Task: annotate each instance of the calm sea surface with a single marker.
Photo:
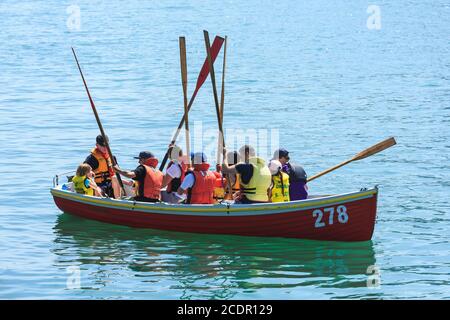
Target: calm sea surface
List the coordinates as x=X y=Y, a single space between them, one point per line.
x=312 y=70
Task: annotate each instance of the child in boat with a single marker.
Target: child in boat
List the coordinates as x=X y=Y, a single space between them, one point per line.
x=279 y=189
x=298 y=189
x=83 y=181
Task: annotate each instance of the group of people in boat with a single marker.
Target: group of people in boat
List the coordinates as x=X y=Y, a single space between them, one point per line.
x=192 y=182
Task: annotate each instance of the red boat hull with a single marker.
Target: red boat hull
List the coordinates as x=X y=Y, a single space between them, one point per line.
x=348 y=217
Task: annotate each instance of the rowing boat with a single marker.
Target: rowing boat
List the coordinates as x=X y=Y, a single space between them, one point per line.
x=342 y=217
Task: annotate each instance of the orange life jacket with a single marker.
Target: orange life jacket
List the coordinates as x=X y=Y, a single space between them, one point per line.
x=104 y=171
x=202 y=192
x=175 y=183
x=219 y=190
x=236 y=187
x=152 y=183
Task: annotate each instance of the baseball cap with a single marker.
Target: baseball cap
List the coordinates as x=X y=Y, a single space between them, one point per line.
x=100 y=141
x=280 y=153
x=145 y=155
x=274 y=166
x=198 y=157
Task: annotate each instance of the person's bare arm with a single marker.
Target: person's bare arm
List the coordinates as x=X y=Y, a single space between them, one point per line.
x=166 y=180
x=128 y=174
x=227 y=169
x=180 y=191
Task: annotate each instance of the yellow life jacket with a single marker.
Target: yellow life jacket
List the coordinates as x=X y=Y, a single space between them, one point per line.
x=280 y=190
x=256 y=188
x=80 y=187
x=102 y=173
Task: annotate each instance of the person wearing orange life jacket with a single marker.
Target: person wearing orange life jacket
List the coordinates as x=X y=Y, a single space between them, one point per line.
x=101 y=164
x=175 y=173
x=199 y=184
x=220 y=182
x=149 y=179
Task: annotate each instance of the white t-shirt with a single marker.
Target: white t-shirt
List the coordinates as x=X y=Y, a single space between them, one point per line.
x=174 y=171
x=189 y=180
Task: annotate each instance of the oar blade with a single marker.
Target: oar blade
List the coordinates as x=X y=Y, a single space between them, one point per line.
x=383 y=145
x=204 y=72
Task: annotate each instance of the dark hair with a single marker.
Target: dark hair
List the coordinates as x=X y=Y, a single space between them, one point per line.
x=233 y=157
x=101 y=141
x=247 y=149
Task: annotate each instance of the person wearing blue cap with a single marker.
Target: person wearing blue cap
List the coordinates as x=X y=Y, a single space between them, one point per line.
x=148 y=178
x=199 y=183
x=298 y=190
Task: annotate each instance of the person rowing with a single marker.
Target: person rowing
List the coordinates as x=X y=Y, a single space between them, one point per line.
x=199 y=183
x=101 y=164
x=254 y=176
x=298 y=190
x=149 y=179
x=175 y=173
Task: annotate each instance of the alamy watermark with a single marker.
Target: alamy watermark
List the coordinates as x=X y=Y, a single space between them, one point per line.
x=73 y=22
x=74 y=277
x=374 y=277
x=374 y=19
x=264 y=141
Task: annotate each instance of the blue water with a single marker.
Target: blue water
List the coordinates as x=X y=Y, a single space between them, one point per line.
x=312 y=70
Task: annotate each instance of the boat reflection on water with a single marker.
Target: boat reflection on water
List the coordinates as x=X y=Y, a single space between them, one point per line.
x=171 y=265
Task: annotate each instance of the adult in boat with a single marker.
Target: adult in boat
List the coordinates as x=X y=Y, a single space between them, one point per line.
x=254 y=176
x=175 y=173
x=83 y=181
x=233 y=158
x=279 y=189
x=101 y=164
x=149 y=179
x=298 y=190
x=199 y=183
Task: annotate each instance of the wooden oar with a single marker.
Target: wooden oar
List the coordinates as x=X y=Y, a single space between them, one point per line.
x=213 y=82
x=363 y=154
x=184 y=83
x=222 y=99
x=222 y=106
x=102 y=132
x=215 y=49
x=219 y=110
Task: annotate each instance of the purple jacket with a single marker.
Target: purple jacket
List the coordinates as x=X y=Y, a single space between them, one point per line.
x=298 y=190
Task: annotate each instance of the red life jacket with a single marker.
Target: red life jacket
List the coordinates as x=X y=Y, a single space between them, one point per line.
x=152 y=183
x=202 y=192
x=175 y=183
